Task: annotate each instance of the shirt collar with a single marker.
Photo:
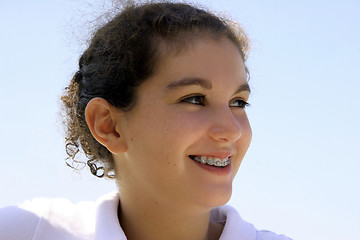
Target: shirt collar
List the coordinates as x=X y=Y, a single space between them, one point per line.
x=108 y=226
x=107 y=222
x=234 y=226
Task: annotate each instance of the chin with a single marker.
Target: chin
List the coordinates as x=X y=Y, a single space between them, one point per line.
x=216 y=198
x=220 y=201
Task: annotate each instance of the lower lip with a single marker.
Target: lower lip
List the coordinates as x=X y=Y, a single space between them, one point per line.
x=215 y=170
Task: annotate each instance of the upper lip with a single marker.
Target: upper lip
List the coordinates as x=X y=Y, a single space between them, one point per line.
x=220 y=155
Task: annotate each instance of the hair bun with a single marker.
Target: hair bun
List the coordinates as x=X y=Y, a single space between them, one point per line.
x=78 y=76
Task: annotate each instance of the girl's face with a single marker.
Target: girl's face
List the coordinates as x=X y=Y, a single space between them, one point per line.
x=192 y=109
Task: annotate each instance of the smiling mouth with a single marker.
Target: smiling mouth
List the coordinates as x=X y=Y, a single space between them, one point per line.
x=212 y=161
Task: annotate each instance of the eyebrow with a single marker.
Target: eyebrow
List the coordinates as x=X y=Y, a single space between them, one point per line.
x=190 y=81
x=244 y=87
x=203 y=83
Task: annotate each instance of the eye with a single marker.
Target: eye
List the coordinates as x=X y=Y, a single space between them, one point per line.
x=195 y=99
x=240 y=103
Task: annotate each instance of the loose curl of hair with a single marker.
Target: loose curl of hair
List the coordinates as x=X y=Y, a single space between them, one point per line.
x=121 y=56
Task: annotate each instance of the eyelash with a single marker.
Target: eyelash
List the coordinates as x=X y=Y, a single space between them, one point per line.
x=200 y=100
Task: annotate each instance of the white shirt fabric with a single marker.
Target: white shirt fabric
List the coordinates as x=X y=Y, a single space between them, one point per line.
x=59 y=219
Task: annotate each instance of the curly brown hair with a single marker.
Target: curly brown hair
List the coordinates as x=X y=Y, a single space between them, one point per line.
x=122 y=55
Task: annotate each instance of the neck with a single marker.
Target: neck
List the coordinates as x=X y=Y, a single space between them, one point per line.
x=142 y=219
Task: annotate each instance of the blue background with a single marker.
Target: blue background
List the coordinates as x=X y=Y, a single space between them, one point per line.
x=301 y=174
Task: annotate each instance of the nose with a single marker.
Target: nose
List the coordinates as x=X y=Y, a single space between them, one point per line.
x=225 y=126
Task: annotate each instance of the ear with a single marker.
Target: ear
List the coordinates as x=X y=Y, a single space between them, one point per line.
x=102 y=120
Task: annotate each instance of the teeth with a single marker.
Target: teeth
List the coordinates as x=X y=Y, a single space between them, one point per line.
x=218 y=162
x=212 y=161
x=203 y=160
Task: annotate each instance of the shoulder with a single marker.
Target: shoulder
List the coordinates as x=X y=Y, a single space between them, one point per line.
x=236 y=228
x=41 y=218
x=17 y=223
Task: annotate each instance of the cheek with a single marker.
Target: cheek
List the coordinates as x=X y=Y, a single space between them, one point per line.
x=179 y=130
x=162 y=132
x=244 y=141
x=246 y=134
x=247 y=131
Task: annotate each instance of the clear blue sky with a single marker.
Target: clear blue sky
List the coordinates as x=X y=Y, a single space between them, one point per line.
x=301 y=174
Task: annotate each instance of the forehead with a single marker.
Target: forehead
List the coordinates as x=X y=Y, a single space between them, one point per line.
x=209 y=58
